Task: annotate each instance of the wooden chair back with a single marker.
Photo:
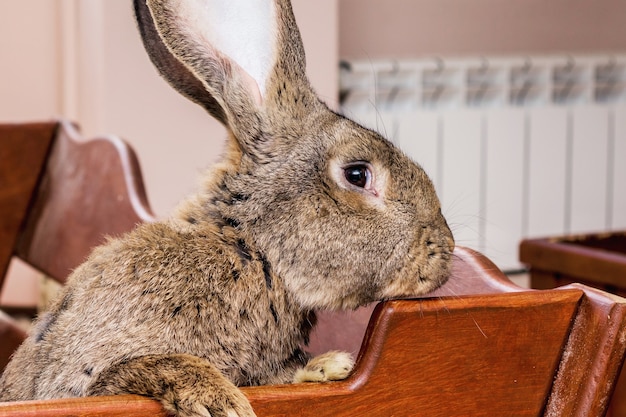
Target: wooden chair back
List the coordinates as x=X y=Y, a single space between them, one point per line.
x=479 y=346
x=60 y=196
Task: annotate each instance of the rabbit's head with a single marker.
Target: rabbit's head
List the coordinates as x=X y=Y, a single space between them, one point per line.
x=340 y=214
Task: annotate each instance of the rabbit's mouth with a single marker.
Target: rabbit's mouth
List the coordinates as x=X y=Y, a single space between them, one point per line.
x=426 y=267
x=411 y=285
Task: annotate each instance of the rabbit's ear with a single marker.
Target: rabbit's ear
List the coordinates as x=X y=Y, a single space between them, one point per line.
x=177 y=74
x=224 y=54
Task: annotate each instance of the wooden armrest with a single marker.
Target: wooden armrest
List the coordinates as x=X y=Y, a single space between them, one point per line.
x=112 y=406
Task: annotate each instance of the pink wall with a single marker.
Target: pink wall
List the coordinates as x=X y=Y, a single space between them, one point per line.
x=414 y=28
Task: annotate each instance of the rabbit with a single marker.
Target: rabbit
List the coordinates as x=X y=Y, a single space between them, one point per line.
x=306 y=211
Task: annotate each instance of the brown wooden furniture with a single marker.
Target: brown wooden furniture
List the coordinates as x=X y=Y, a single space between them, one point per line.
x=597 y=260
x=479 y=346
x=60 y=196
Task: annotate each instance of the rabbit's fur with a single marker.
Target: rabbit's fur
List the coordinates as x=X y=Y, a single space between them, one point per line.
x=307 y=211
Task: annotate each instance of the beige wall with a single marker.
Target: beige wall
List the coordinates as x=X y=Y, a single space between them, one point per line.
x=416 y=28
x=29 y=59
x=83 y=59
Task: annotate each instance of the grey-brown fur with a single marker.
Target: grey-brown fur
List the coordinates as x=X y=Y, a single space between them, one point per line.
x=221 y=294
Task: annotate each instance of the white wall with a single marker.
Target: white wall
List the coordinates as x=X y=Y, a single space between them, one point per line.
x=83 y=59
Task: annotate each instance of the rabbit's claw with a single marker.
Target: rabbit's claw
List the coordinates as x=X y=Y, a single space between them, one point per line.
x=330 y=366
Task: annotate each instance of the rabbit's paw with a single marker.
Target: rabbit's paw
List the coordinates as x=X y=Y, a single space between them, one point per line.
x=330 y=366
x=199 y=407
x=187 y=386
x=212 y=405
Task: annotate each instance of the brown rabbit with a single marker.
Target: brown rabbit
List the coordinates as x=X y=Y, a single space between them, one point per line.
x=307 y=211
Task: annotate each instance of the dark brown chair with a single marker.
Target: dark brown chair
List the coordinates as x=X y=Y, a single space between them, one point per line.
x=479 y=346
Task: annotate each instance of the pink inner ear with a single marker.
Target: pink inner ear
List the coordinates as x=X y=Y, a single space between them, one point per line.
x=252 y=87
x=248 y=83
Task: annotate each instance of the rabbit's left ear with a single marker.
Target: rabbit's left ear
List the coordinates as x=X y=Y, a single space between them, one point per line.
x=223 y=54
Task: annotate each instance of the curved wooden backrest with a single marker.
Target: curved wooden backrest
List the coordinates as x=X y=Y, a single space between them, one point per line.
x=60 y=196
x=88 y=190
x=478 y=346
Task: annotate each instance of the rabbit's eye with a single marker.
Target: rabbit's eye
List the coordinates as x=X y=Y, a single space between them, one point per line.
x=358 y=175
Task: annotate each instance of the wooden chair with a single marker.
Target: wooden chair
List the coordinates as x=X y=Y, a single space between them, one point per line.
x=59 y=197
x=595 y=259
x=479 y=346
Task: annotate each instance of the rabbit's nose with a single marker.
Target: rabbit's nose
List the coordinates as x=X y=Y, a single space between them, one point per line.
x=448 y=237
x=449 y=241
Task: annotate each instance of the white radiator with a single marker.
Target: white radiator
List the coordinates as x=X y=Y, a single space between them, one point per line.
x=517 y=147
